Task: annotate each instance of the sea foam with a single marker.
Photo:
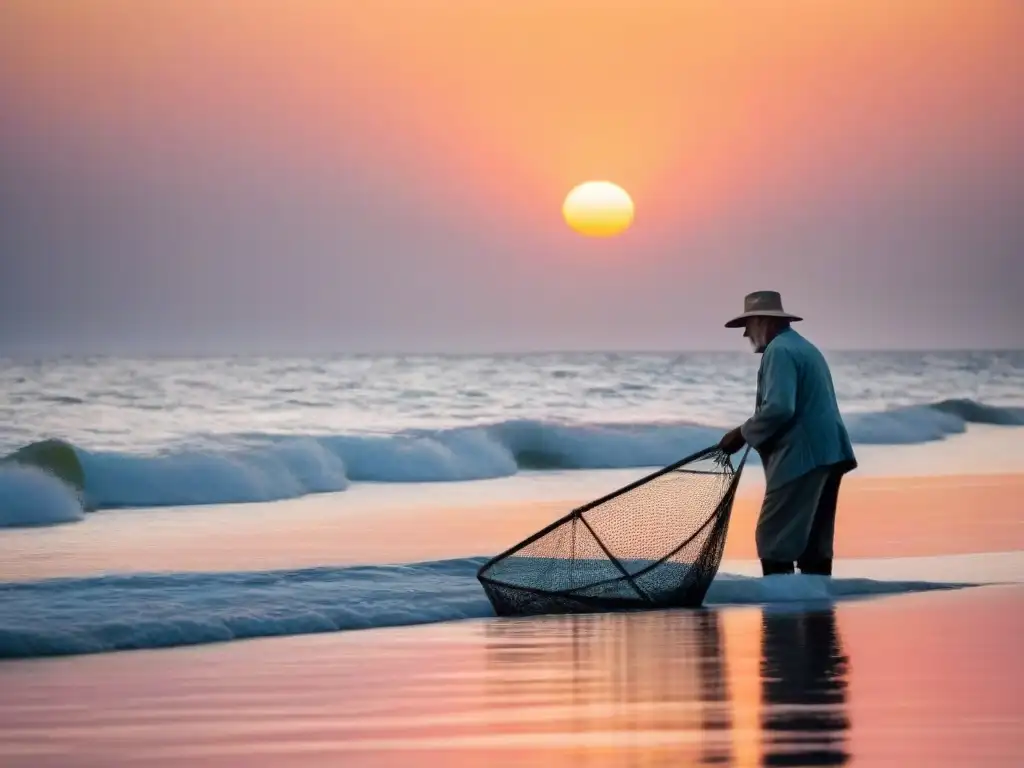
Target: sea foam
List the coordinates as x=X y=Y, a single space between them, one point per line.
x=30 y=497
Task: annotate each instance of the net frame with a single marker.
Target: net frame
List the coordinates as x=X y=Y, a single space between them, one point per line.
x=516 y=599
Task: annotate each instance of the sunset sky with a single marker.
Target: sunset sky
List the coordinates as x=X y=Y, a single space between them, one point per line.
x=356 y=175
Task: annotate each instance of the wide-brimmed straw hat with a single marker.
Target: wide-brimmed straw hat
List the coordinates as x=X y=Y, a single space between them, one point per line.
x=761 y=304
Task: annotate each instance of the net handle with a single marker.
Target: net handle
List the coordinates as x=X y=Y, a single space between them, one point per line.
x=743 y=460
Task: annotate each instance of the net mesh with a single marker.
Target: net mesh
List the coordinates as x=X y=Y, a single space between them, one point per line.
x=655 y=543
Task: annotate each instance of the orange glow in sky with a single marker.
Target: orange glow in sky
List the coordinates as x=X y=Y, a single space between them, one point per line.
x=687 y=105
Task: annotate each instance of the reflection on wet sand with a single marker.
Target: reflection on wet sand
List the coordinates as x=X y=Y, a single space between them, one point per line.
x=674 y=686
x=803 y=680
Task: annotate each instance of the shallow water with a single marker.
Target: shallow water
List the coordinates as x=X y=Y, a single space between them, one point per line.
x=913 y=680
x=133 y=611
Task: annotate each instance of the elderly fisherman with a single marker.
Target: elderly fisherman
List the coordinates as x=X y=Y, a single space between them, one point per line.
x=799 y=434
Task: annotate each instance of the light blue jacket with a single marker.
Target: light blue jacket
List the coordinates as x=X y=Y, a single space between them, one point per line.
x=796 y=426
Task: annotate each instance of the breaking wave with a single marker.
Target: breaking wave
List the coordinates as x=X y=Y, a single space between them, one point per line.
x=252 y=468
x=31 y=497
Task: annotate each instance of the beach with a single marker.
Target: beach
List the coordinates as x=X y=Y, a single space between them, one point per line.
x=877 y=517
x=914 y=661
x=911 y=680
x=301 y=597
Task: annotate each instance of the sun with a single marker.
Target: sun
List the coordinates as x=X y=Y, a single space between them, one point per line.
x=598 y=209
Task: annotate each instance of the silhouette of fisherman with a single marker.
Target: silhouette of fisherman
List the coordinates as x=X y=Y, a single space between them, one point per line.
x=799 y=434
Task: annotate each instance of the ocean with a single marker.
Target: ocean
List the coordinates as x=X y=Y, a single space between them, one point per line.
x=177 y=432
x=250 y=455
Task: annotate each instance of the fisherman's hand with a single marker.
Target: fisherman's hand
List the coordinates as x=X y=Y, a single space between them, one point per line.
x=732 y=441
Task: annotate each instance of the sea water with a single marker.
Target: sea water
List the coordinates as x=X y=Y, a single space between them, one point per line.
x=173 y=433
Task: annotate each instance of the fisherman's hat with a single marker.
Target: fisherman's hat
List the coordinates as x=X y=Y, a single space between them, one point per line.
x=761 y=304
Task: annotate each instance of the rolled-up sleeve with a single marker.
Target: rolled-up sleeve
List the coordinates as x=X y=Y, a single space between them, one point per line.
x=778 y=380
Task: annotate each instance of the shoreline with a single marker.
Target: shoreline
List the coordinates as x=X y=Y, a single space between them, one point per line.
x=909 y=673
x=878 y=517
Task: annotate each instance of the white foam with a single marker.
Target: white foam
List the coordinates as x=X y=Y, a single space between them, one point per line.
x=732 y=589
x=31 y=497
x=267 y=472
x=973 y=568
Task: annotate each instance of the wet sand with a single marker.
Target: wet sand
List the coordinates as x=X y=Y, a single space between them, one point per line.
x=914 y=680
x=877 y=517
x=925 y=679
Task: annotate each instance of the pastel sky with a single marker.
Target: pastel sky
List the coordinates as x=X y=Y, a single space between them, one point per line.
x=346 y=175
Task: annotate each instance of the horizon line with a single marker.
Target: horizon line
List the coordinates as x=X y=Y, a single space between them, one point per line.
x=166 y=354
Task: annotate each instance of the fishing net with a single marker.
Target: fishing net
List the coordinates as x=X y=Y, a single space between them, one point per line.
x=655 y=543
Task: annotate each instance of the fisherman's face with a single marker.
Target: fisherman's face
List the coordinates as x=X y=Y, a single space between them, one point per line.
x=757 y=331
